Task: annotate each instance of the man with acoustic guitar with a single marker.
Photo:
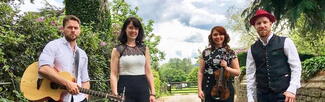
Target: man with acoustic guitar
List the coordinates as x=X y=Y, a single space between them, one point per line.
x=63 y=54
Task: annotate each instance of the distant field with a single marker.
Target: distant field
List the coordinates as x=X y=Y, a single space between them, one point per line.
x=184 y=90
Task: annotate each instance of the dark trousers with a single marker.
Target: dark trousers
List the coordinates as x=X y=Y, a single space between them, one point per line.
x=270 y=96
x=136 y=88
x=51 y=100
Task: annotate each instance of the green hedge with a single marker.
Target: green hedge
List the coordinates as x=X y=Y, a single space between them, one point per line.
x=158 y=83
x=304 y=57
x=22 y=38
x=242 y=58
x=311 y=66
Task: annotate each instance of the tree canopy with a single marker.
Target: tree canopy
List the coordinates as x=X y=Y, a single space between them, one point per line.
x=93 y=12
x=291 y=11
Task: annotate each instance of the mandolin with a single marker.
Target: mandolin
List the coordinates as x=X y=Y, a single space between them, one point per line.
x=35 y=89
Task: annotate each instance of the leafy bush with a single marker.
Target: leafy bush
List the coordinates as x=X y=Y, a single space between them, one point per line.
x=242 y=72
x=304 y=57
x=242 y=58
x=172 y=75
x=38 y=31
x=157 y=82
x=192 y=76
x=22 y=39
x=311 y=66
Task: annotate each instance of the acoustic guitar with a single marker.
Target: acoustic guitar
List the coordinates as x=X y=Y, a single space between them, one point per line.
x=35 y=89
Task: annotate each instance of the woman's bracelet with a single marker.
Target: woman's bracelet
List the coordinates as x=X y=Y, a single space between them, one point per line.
x=153 y=95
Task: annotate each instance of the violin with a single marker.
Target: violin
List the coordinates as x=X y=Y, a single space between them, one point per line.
x=220 y=90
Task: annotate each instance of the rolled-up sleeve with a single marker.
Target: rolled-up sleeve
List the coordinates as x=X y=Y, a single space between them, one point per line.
x=250 y=76
x=295 y=65
x=84 y=72
x=47 y=56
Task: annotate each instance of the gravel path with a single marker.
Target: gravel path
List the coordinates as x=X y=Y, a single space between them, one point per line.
x=180 y=98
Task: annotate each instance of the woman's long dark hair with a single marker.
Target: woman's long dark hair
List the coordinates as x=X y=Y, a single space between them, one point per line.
x=136 y=23
x=222 y=31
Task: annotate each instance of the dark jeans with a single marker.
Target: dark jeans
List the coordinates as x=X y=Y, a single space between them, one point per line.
x=270 y=96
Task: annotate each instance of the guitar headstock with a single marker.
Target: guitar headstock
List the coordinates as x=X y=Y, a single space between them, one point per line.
x=119 y=98
x=116 y=98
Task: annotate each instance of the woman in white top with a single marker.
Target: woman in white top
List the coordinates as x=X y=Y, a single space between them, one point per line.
x=130 y=65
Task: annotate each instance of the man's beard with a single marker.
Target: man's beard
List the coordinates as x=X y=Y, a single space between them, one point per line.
x=263 y=33
x=70 y=39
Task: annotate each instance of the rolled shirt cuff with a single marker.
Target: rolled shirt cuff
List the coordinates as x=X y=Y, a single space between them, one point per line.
x=292 y=89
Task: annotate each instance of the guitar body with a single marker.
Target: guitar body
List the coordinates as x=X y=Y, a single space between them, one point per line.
x=35 y=89
x=28 y=85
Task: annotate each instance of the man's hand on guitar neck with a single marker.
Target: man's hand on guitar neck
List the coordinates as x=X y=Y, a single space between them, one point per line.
x=72 y=87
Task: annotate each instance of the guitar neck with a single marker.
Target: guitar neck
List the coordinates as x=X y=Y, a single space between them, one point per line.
x=97 y=93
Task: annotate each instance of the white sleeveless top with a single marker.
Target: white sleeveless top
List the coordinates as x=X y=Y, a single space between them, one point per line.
x=132 y=60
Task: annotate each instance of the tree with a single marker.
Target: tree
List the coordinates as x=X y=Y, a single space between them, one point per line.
x=172 y=75
x=22 y=1
x=313 y=10
x=93 y=12
x=248 y=36
x=192 y=76
x=306 y=43
x=288 y=13
x=22 y=38
x=291 y=11
x=184 y=64
x=176 y=70
x=237 y=24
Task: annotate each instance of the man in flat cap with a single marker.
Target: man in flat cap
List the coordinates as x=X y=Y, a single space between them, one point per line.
x=273 y=65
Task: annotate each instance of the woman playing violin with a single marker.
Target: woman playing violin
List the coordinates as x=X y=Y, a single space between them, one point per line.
x=218 y=66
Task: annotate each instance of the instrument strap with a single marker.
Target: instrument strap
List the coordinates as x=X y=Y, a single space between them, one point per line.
x=76 y=63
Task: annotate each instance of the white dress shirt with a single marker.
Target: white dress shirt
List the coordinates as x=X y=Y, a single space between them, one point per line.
x=290 y=51
x=58 y=54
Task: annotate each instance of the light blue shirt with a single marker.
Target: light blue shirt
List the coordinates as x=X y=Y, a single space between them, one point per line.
x=59 y=54
x=290 y=51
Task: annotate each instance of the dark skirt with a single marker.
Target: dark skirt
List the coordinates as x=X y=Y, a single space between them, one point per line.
x=136 y=88
x=209 y=82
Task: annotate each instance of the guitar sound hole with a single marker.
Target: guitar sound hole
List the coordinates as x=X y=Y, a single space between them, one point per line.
x=54 y=85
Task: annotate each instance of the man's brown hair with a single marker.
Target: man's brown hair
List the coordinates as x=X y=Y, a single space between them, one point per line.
x=70 y=17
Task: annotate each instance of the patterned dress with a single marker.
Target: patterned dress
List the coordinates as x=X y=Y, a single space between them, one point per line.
x=212 y=58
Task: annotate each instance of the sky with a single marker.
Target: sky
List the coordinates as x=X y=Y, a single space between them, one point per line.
x=183 y=25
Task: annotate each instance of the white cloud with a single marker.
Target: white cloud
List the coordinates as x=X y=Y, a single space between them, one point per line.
x=234 y=39
x=173 y=34
x=205 y=18
x=189 y=14
x=37 y=5
x=176 y=21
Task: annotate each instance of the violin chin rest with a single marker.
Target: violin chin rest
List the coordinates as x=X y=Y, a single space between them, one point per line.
x=216 y=98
